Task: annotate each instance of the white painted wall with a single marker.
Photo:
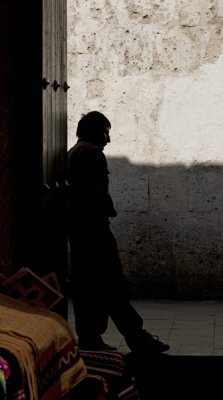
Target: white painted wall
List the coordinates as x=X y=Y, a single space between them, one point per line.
x=155 y=69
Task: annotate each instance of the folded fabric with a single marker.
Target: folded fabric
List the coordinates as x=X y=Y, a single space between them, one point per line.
x=14 y=387
x=111 y=365
x=4 y=366
x=44 y=346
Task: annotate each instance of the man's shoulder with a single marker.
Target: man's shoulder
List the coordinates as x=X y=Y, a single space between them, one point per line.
x=85 y=149
x=83 y=145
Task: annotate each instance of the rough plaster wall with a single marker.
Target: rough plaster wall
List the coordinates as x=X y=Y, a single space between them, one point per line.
x=155 y=68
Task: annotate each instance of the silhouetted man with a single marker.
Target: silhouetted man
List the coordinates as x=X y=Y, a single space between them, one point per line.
x=99 y=287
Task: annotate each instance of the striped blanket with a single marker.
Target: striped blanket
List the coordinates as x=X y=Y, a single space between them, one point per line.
x=112 y=367
x=43 y=344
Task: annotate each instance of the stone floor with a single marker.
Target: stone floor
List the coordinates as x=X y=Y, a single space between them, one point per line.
x=190 y=327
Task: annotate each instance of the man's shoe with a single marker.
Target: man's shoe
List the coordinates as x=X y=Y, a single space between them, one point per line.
x=147 y=343
x=95 y=344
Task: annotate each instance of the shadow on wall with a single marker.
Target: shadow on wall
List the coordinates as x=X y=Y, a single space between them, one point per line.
x=169 y=228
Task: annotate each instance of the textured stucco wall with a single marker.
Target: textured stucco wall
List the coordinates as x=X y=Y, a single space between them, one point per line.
x=155 y=68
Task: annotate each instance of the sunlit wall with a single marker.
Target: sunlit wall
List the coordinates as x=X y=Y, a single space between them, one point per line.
x=155 y=68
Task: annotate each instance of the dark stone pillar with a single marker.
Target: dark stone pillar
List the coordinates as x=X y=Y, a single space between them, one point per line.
x=6 y=198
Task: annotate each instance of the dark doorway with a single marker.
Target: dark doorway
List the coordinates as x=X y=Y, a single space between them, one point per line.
x=39 y=127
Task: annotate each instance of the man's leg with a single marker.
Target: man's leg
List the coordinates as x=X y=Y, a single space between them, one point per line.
x=91 y=316
x=130 y=325
x=123 y=314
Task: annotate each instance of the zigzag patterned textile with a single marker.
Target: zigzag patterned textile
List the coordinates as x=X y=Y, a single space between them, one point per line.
x=112 y=367
x=44 y=346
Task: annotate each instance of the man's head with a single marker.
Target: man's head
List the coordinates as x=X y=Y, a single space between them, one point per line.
x=94 y=127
